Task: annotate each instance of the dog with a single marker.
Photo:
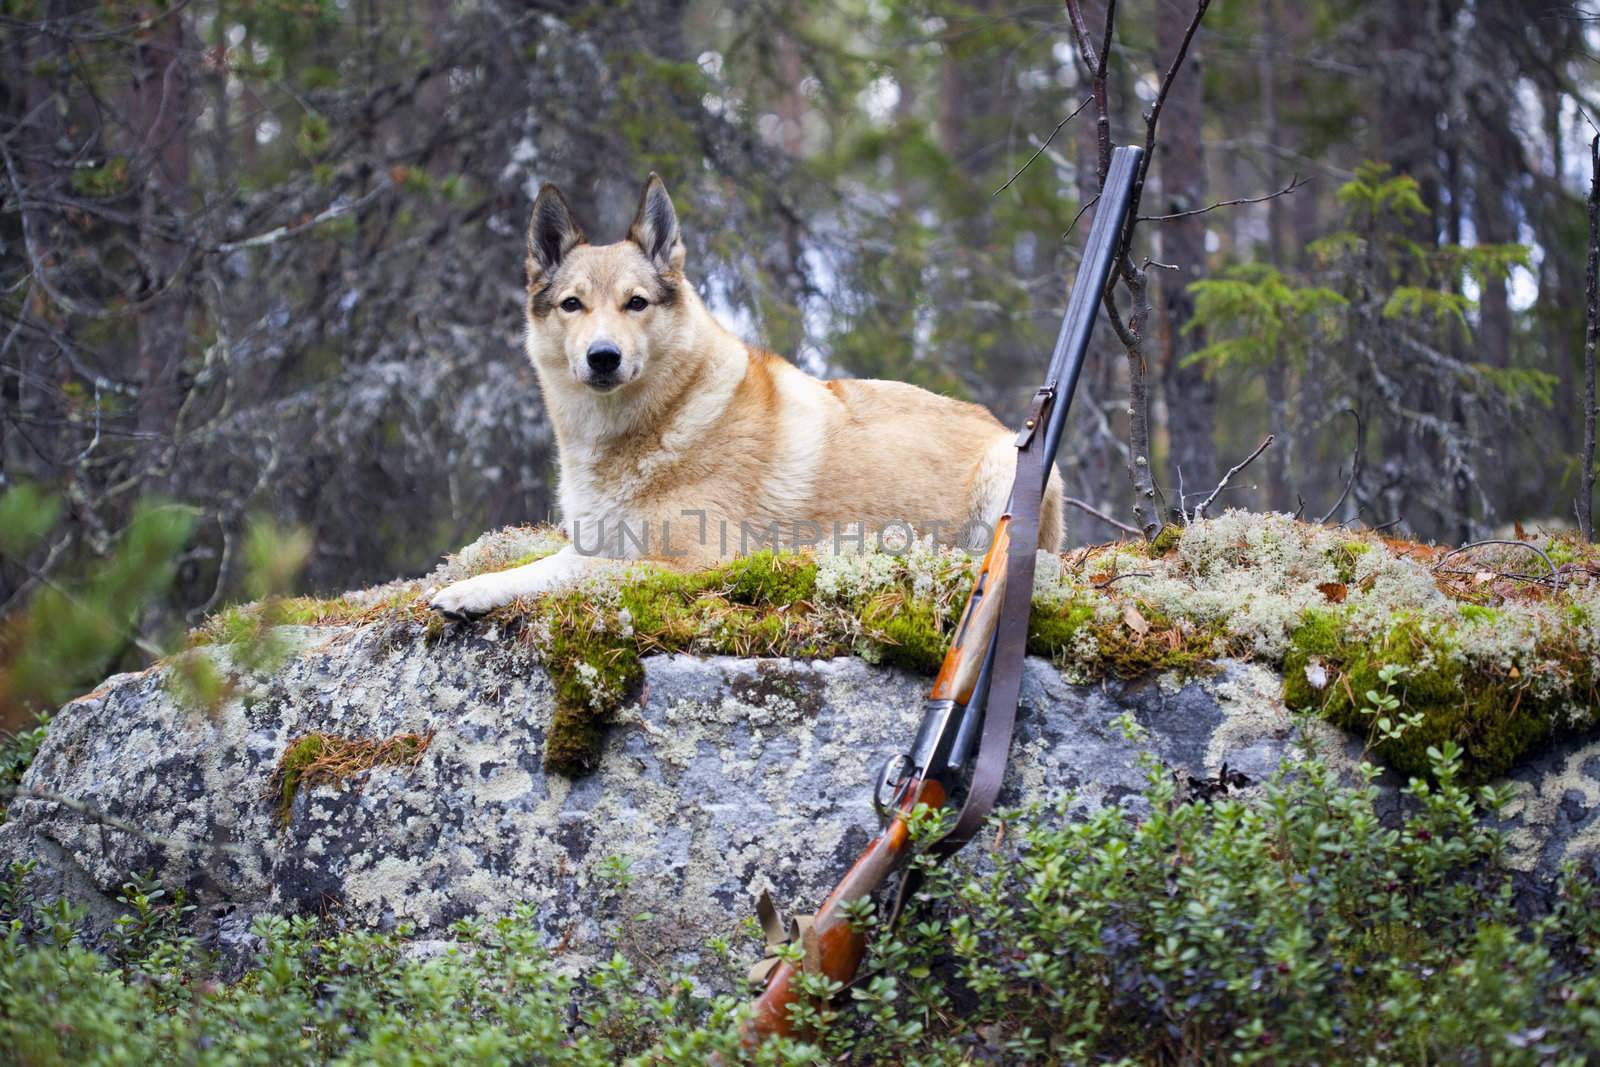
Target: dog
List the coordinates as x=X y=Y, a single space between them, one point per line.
x=676 y=439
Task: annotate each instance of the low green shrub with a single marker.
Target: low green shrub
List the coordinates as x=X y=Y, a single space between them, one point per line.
x=16 y=756
x=1293 y=926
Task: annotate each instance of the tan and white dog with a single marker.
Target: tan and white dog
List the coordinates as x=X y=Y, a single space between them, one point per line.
x=677 y=439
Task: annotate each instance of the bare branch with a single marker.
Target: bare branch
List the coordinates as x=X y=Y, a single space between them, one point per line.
x=1075 y=113
x=1102 y=516
x=1154 y=115
x=1294 y=183
x=1152 y=119
x=1109 y=582
x=1537 y=579
x=1091 y=202
x=1555 y=572
x=283 y=233
x=1094 y=64
x=1200 y=508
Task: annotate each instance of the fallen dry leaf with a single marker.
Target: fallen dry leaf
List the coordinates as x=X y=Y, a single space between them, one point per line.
x=1135 y=621
x=1334 y=591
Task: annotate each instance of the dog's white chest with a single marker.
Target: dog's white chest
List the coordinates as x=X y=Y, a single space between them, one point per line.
x=596 y=513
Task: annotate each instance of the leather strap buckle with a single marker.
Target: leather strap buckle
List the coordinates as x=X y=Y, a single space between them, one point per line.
x=1036 y=413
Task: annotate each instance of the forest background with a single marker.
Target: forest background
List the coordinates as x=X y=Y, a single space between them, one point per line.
x=264 y=258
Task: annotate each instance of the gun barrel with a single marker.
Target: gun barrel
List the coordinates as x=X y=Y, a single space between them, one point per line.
x=1066 y=360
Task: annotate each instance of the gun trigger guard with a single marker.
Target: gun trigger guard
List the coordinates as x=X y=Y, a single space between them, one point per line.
x=895 y=769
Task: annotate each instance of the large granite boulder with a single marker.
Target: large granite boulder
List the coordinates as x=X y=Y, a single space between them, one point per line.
x=725 y=776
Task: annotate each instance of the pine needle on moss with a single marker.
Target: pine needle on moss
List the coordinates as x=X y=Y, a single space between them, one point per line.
x=321 y=758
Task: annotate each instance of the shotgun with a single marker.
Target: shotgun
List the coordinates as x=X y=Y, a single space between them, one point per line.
x=965 y=734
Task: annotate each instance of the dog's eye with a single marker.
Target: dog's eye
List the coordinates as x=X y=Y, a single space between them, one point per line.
x=572 y=303
x=638 y=303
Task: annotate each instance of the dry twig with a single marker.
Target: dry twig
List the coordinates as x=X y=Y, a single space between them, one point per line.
x=1555 y=572
x=1102 y=516
x=1075 y=113
x=1294 y=183
x=1199 y=509
x=1355 y=469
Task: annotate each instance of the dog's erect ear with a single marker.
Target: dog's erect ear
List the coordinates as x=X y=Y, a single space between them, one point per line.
x=552 y=232
x=655 y=227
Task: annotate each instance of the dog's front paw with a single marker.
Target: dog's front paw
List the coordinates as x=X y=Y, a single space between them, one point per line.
x=471 y=598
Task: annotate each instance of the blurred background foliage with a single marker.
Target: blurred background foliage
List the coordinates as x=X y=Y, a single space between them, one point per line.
x=264 y=257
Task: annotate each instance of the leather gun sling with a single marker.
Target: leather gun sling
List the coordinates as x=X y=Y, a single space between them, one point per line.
x=1011 y=630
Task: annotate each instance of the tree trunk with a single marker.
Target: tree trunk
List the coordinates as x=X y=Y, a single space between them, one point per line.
x=1591 y=336
x=1190 y=393
x=1001 y=369
x=25 y=389
x=1099 y=483
x=160 y=115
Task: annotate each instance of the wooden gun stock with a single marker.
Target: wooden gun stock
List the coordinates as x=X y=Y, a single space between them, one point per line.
x=958 y=675
x=831 y=946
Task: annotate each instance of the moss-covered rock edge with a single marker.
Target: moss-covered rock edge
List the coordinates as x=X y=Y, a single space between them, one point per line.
x=1107 y=615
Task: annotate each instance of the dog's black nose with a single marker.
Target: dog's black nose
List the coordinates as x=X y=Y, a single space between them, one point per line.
x=604 y=357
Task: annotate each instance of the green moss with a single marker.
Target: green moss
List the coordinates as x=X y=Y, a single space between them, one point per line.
x=1494 y=719
x=1568 y=548
x=768 y=577
x=244 y=623
x=1164 y=541
x=291 y=767
x=1121 y=651
x=574 y=741
x=594 y=672
x=1343 y=558
x=1051 y=632
x=1478 y=613
x=756 y=605
x=911 y=632
x=1124 y=653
